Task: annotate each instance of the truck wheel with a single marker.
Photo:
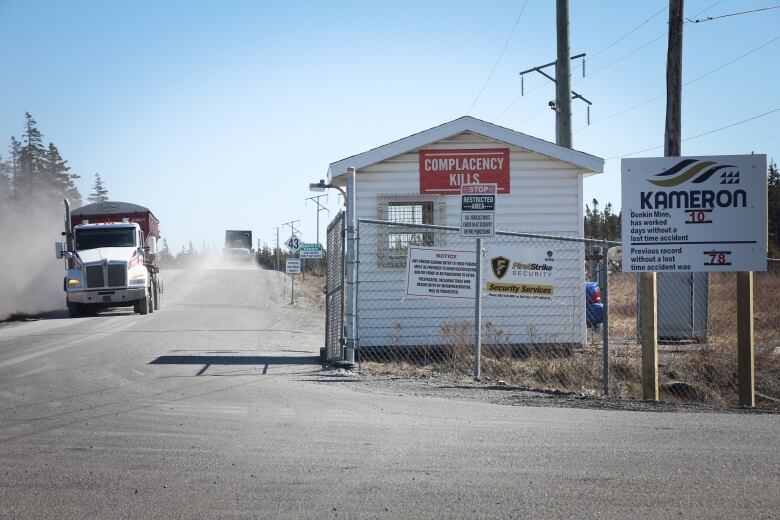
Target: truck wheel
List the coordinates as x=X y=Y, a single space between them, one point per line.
x=142 y=306
x=74 y=310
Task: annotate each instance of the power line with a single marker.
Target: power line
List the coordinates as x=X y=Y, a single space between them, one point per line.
x=662 y=35
x=500 y=56
x=711 y=18
x=716 y=69
x=700 y=135
x=627 y=34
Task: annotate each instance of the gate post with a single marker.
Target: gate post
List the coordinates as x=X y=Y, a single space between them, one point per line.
x=605 y=316
x=478 y=314
x=349 y=353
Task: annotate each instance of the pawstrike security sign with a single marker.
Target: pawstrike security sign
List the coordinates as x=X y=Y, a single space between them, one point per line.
x=705 y=213
x=442 y=172
x=520 y=272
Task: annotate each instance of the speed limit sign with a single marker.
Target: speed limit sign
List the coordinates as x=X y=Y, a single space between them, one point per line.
x=293 y=243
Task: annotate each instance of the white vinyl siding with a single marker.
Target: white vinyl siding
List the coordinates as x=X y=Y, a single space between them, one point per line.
x=545 y=197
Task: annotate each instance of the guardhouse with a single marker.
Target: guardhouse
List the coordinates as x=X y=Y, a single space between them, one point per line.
x=416 y=180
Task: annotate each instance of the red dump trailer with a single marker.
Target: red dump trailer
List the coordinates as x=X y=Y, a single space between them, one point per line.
x=104 y=212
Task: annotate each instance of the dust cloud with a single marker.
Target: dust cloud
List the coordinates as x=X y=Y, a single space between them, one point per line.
x=30 y=276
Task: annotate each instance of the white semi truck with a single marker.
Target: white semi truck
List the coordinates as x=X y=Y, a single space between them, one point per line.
x=110 y=253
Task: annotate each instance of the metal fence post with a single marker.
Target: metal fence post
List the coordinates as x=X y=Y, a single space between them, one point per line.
x=605 y=318
x=478 y=314
x=356 y=340
x=349 y=354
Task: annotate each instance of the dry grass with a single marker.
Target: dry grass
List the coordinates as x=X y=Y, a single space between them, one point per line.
x=311 y=288
x=705 y=372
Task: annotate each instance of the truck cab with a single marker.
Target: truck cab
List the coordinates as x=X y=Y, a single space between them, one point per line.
x=109 y=264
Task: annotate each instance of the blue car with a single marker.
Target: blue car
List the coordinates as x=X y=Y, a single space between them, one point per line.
x=594 y=309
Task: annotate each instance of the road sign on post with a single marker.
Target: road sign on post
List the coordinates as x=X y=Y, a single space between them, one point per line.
x=293 y=243
x=310 y=250
x=292 y=266
x=478 y=206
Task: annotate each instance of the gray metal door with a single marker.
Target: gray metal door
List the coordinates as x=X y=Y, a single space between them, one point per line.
x=334 y=289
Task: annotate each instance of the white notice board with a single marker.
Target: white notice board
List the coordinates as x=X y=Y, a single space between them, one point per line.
x=702 y=213
x=440 y=273
x=292 y=266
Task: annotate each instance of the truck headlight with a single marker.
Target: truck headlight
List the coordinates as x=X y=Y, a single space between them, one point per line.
x=74 y=283
x=138 y=279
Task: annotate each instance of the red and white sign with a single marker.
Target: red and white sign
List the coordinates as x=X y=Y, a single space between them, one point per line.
x=443 y=172
x=479 y=189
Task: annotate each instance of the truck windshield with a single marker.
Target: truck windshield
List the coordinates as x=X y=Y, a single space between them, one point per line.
x=105 y=237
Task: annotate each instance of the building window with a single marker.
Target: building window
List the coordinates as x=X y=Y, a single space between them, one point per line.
x=395 y=241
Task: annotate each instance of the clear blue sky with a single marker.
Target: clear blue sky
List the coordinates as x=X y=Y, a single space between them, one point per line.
x=218 y=114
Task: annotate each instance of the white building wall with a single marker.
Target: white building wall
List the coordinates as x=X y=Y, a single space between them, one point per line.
x=545 y=197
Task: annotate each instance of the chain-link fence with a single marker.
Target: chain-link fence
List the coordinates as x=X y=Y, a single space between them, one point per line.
x=537 y=336
x=548 y=334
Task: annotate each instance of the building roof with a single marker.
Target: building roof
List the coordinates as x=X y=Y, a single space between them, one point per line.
x=589 y=163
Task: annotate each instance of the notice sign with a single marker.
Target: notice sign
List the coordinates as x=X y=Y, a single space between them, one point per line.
x=477 y=225
x=442 y=172
x=310 y=250
x=520 y=272
x=292 y=266
x=478 y=205
x=440 y=273
x=704 y=213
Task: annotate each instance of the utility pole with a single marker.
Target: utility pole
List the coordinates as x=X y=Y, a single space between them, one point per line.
x=320 y=207
x=563 y=77
x=563 y=92
x=277 y=248
x=673 y=128
x=672 y=148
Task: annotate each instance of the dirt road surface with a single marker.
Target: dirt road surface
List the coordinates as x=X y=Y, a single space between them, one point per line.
x=216 y=407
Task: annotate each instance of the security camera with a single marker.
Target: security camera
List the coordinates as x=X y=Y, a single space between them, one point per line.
x=553 y=105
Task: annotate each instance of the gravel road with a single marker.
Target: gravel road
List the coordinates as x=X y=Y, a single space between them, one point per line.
x=216 y=407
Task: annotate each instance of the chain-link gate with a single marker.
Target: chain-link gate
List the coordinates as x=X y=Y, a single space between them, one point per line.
x=334 y=289
x=581 y=339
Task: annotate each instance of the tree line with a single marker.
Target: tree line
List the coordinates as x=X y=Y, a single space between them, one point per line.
x=34 y=175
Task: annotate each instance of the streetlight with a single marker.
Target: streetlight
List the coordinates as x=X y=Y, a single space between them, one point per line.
x=321 y=186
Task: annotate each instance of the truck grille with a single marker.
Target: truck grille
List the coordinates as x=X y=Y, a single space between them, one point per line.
x=117 y=274
x=95 y=276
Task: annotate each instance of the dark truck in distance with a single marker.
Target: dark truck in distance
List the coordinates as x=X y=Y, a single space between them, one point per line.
x=238 y=245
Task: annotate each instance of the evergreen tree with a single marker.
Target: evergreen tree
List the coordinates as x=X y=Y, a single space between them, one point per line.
x=166 y=257
x=773 y=188
x=30 y=178
x=99 y=191
x=16 y=150
x=59 y=177
x=601 y=224
x=5 y=183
